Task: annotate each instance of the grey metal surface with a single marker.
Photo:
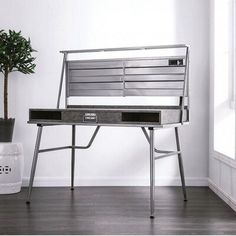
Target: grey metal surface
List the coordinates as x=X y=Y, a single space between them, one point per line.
x=73 y=146
x=153 y=78
x=93 y=79
x=73 y=156
x=132 y=60
x=168 y=70
x=61 y=80
x=174 y=68
x=154 y=85
x=181 y=168
x=91 y=140
x=122 y=107
x=172 y=153
x=155 y=126
x=96 y=86
x=125 y=48
x=186 y=82
x=122 y=70
x=34 y=163
x=153 y=92
x=166 y=153
x=152 y=174
x=150 y=139
x=112 y=78
x=109 y=115
x=53 y=149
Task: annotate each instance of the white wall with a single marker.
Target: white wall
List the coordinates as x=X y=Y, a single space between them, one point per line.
x=119 y=156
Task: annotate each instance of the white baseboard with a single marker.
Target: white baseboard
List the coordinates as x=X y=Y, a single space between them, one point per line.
x=223 y=195
x=65 y=181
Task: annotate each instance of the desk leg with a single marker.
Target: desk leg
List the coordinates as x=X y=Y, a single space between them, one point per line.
x=181 y=168
x=34 y=163
x=152 y=174
x=73 y=157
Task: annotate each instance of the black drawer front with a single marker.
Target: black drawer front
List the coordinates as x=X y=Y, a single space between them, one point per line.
x=141 y=117
x=45 y=115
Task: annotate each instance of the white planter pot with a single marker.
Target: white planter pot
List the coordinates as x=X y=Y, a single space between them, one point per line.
x=11 y=167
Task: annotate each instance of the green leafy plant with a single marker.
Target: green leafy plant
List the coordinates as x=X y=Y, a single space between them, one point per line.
x=15 y=55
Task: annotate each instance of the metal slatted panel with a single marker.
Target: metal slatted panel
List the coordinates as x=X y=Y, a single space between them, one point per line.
x=154 y=85
x=126 y=77
x=95 y=92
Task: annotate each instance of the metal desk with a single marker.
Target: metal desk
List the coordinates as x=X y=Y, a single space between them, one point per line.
x=126 y=76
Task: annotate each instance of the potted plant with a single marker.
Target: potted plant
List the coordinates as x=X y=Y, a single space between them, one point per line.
x=15 y=55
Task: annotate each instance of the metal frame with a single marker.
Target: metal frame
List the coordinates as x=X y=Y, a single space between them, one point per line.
x=153 y=158
x=150 y=137
x=64 y=72
x=72 y=147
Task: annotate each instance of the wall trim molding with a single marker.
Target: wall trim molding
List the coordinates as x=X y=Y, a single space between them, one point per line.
x=224 y=159
x=222 y=194
x=113 y=181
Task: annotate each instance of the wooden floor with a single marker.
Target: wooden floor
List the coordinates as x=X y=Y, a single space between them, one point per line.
x=115 y=210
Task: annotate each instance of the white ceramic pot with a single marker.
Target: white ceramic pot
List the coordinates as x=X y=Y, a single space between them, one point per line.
x=11 y=167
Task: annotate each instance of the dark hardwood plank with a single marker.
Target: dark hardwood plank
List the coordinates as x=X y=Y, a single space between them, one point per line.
x=115 y=210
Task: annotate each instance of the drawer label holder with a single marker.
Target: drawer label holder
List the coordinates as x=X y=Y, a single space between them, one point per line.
x=90 y=117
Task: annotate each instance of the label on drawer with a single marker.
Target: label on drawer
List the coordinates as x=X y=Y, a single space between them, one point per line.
x=90 y=117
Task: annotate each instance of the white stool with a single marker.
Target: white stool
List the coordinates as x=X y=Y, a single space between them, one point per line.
x=11 y=167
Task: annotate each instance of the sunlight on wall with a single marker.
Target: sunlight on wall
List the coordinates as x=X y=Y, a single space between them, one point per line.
x=224 y=115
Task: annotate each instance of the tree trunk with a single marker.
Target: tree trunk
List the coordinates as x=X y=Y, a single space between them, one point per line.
x=6 y=95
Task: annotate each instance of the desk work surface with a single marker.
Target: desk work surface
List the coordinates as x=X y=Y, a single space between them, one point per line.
x=150 y=116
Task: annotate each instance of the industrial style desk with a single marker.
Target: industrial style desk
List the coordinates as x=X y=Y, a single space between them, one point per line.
x=127 y=76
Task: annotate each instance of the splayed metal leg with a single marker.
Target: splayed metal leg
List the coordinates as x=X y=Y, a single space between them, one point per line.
x=152 y=175
x=34 y=163
x=181 y=168
x=73 y=157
